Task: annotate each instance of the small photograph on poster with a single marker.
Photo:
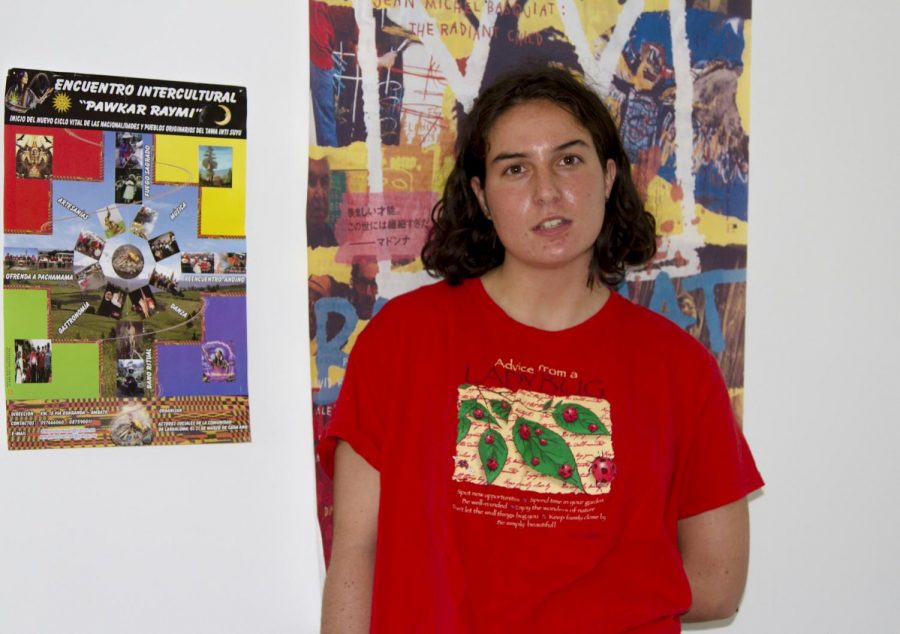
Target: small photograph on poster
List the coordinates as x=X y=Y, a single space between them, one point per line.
x=112 y=221
x=55 y=259
x=144 y=222
x=19 y=258
x=197 y=263
x=163 y=245
x=231 y=262
x=128 y=185
x=90 y=244
x=34 y=156
x=33 y=360
x=215 y=166
x=218 y=362
x=164 y=278
x=91 y=277
x=132 y=427
x=129 y=340
x=129 y=150
x=129 y=377
x=113 y=301
x=29 y=91
x=143 y=303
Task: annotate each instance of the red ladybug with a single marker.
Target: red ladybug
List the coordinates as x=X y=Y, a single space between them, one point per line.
x=604 y=470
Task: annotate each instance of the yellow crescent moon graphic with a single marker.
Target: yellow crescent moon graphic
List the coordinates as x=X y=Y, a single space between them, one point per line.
x=227 y=118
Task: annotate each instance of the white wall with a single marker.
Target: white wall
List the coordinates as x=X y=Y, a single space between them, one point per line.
x=218 y=539
x=222 y=539
x=823 y=341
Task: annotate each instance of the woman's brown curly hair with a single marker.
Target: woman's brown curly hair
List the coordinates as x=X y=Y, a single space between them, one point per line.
x=462 y=242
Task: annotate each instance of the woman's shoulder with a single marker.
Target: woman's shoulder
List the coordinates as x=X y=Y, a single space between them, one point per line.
x=660 y=332
x=422 y=302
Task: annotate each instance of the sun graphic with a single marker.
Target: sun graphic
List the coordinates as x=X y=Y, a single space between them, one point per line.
x=62 y=102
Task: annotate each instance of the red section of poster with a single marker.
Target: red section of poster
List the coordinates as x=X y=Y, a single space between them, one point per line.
x=77 y=155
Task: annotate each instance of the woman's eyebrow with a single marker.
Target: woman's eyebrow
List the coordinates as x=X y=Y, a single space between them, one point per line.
x=505 y=156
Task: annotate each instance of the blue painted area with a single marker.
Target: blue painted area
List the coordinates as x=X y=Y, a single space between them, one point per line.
x=651 y=26
x=330 y=353
x=665 y=301
x=718 y=195
x=712 y=36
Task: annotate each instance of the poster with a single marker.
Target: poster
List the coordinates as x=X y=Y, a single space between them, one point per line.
x=391 y=79
x=124 y=265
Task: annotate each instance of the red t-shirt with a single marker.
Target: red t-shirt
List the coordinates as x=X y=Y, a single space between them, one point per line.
x=533 y=480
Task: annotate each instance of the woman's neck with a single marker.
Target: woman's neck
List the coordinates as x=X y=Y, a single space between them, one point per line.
x=546 y=299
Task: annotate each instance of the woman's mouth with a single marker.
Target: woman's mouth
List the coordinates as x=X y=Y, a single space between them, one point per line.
x=552 y=223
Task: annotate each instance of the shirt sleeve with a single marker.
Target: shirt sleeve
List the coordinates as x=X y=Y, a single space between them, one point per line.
x=715 y=466
x=355 y=418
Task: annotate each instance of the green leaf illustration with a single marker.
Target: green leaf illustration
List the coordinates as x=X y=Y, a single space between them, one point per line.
x=463 y=428
x=578 y=419
x=466 y=406
x=552 y=458
x=548 y=404
x=493 y=452
x=501 y=409
x=477 y=411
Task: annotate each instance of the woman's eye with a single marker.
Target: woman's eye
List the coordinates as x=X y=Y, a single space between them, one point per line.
x=571 y=159
x=514 y=170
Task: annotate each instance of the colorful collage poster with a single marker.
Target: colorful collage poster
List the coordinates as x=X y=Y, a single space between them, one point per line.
x=124 y=265
x=392 y=79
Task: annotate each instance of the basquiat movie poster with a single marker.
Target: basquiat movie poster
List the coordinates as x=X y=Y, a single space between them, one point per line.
x=390 y=82
x=124 y=262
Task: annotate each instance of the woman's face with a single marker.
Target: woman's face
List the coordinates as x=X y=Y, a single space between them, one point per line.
x=545 y=188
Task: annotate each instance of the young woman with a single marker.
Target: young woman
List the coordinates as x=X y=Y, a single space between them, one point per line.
x=519 y=448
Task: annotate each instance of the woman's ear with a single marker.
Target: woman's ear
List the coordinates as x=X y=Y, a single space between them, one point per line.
x=610 y=176
x=475 y=184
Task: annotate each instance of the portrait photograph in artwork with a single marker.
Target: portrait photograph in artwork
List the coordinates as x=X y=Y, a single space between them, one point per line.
x=112 y=302
x=142 y=302
x=34 y=156
x=163 y=246
x=128 y=186
x=111 y=220
x=90 y=244
x=129 y=340
x=129 y=377
x=91 y=277
x=320 y=218
x=129 y=150
x=218 y=362
x=143 y=223
x=28 y=92
x=215 y=166
x=33 y=360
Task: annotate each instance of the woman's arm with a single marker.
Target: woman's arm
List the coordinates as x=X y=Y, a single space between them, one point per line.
x=715 y=547
x=347 y=600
